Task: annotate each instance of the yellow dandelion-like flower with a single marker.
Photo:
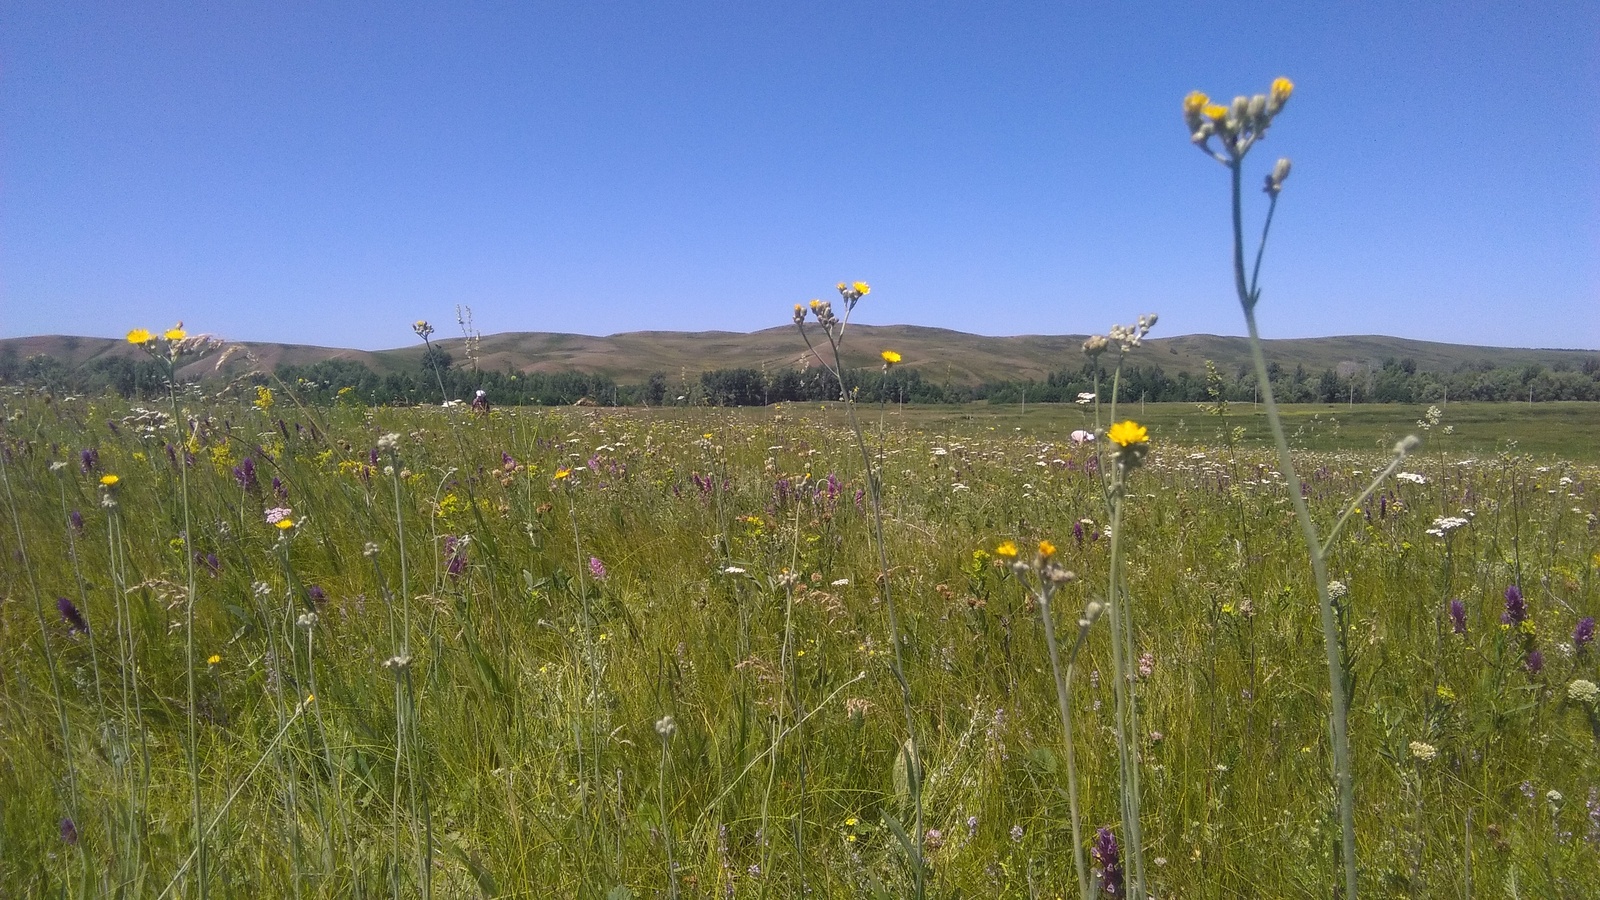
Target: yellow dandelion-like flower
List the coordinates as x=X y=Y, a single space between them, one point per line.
x=284 y=524
x=109 y=480
x=311 y=698
x=175 y=333
x=861 y=288
x=1047 y=549
x=1194 y=103
x=1281 y=89
x=213 y=659
x=1215 y=113
x=140 y=336
x=563 y=473
x=1126 y=434
x=890 y=357
x=815 y=303
x=1008 y=549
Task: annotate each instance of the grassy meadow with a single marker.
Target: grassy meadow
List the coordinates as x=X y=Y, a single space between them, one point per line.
x=641 y=653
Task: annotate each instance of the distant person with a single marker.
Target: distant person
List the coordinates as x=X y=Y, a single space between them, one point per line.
x=480 y=402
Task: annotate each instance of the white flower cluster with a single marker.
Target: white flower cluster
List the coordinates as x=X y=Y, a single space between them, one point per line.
x=1444 y=525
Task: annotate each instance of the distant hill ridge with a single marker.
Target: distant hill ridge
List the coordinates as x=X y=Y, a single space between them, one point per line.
x=940 y=354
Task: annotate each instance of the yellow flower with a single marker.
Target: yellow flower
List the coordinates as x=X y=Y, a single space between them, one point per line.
x=861 y=288
x=140 y=336
x=563 y=473
x=1281 y=89
x=175 y=333
x=1126 y=434
x=213 y=659
x=311 y=698
x=1047 y=549
x=815 y=303
x=1194 y=103
x=1008 y=549
x=890 y=357
x=1215 y=113
x=109 y=480
x=285 y=524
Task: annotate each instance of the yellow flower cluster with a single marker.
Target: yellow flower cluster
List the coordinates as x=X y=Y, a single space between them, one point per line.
x=1236 y=125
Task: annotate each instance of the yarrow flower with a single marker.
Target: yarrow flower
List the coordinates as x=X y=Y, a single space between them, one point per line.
x=1423 y=751
x=1582 y=690
x=1444 y=526
x=278 y=514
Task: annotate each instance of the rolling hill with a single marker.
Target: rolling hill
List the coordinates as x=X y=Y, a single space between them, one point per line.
x=940 y=354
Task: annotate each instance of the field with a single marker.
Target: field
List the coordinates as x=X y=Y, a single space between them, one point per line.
x=643 y=653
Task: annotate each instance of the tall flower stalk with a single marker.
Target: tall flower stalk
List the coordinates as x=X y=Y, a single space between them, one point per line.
x=171 y=346
x=1226 y=134
x=832 y=328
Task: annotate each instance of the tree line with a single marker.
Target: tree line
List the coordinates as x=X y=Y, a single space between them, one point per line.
x=438 y=378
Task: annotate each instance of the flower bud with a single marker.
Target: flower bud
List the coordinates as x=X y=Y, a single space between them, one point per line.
x=1258 y=108
x=1280 y=172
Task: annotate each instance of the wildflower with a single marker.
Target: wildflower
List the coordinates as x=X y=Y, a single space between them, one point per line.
x=666 y=726
x=109 y=480
x=1279 y=95
x=1444 y=526
x=1423 y=751
x=1583 y=635
x=69 y=833
x=1411 y=477
x=1337 y=590
x=1583 y=690
x=76 y=518
x=307 y=620
x=890 y=357
x=563 y=473
x=1534 y=662
x=1084 y=399
x=1128 y=434
x=278 y=514
x=214 y=659
x=861 y=288
x=933 y=838
x=1047 y=549
x=285 y=524
x=1108 y=857
x=597 y=568
x=175 y=333
x=1008 y=549
x=1444 y=693
x=70 y=615
x=140 y=337
x=422 y=328
x=1516 y=609
x=1016 y=833
x=1458 y=617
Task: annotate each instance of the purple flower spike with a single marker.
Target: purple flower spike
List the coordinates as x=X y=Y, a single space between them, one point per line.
x=1516 y=608
x=317 y=595
x=1458 y=616
x=1583 y=635
x=1534 y=663
x=597 y=568
x=70 y=615
x=69 y=832
x=1108 y=861
x=76 y=518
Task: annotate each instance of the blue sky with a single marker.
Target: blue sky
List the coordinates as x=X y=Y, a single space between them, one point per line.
x=328 y=173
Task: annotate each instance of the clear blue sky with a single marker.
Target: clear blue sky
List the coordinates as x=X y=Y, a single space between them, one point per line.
x=328 y=172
